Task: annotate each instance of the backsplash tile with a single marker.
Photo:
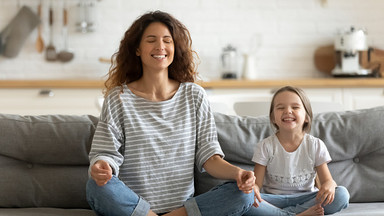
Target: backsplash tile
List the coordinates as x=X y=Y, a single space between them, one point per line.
x=290 y=31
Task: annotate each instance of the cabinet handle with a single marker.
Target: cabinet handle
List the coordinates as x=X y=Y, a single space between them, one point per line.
x=46 y=93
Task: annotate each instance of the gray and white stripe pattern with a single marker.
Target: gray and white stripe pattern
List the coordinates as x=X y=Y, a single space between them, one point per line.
x=163 y=141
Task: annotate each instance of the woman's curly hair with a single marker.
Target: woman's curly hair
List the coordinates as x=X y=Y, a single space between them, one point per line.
x=126 y=66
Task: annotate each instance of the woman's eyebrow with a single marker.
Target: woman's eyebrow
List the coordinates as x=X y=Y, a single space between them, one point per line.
x=154 y=36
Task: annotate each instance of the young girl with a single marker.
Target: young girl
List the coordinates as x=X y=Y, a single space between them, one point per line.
x=287 y=163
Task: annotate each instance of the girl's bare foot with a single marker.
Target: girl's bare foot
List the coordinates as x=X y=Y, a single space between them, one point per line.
x=314 y=210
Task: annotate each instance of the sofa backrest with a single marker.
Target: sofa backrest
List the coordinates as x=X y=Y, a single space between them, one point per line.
x=355 y=140
x=44 y=160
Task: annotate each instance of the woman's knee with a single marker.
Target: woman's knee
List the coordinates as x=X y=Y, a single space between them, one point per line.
x=114 y=198
x=93 y=191
x=240 y=196
x=225 y=199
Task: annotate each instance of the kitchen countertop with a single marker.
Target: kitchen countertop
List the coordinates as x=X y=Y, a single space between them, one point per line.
x=304 y=83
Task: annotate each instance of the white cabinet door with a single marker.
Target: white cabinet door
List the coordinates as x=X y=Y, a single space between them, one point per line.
x=50 y=101
x=325 y=99
x=256 y=102
x=362 y=98
x=230 y=101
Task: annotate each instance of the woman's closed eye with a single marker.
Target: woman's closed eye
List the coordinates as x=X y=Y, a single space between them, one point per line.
x=167 y=40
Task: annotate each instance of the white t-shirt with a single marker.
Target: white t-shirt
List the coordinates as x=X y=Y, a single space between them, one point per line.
x=290 y=172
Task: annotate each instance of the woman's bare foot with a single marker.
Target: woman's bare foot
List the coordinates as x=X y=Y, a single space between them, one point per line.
x=151 y=213
x=178 y=212
x=314 y=210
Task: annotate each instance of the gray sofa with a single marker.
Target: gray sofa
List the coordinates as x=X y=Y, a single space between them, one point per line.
x=44 y=159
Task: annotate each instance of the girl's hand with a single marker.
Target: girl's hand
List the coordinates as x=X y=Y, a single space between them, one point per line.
x=326 y=194
x=257 y=196
x=101 y=172
x=246 y=181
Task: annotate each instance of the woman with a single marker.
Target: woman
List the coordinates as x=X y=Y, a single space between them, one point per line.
x=155 y=126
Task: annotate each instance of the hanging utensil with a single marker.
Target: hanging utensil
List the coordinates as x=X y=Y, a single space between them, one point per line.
x=39 y=41
x=65 y=55
x=85 y=10
x=50 y=52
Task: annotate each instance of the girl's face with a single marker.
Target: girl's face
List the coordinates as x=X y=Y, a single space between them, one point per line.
x=289 y=112
x=156 y=48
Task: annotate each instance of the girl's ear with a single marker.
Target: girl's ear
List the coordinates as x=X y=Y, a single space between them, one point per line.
x=137 y=52
x=306 y=119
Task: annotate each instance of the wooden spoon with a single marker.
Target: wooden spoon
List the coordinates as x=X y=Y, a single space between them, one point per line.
x=39 y=40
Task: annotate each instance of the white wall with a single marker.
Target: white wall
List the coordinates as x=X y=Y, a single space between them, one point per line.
x=290 y=30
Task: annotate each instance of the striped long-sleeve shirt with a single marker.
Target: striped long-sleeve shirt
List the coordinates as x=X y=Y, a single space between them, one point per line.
x=163 y=141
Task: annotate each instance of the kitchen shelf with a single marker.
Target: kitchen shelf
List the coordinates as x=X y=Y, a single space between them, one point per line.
x=303 y=83
x=213 y=84
x=52 y=84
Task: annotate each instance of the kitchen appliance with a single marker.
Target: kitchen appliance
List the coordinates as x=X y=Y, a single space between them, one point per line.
x=229 y=61
x=349 y=46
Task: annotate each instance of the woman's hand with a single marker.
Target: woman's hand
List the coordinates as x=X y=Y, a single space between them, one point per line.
x=245 y=181
x=101 y=172
x=219 y=168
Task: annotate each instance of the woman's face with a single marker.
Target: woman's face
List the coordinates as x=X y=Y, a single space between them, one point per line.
x=156 y=48
x=289 y=112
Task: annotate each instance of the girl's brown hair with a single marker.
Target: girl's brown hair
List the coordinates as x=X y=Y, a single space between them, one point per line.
x=126 y=65
x=304 y=99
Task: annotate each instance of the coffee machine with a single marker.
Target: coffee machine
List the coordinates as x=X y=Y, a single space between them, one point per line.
x=349 y=46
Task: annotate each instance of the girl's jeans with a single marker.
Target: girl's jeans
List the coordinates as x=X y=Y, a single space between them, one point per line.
x=115 y=198
x=296 y=203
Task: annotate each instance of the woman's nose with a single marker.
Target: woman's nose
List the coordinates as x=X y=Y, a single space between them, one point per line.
x=160 y=45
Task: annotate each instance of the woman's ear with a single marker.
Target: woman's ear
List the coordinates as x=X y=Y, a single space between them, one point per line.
x=137 y=52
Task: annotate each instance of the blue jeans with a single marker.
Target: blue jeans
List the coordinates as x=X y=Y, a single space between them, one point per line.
x=296 y=203
x=115 y=198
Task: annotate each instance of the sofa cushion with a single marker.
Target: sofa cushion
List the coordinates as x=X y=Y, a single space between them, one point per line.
x=44 y=160
x=45 y=212
x=355 y=140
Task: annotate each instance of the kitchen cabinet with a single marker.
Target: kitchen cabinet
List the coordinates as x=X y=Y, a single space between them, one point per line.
x=362 y=98
x=39 y=101
x=85 y=96
x=255 y=102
